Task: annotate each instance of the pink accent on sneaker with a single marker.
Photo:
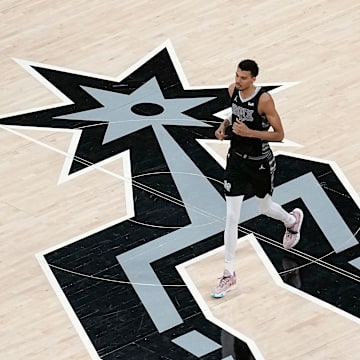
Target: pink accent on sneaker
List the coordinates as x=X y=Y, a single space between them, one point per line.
x=227 y=283
x=292 y=233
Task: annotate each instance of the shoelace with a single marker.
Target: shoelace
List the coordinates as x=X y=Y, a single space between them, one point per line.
x=291 y=231
x=224 y=280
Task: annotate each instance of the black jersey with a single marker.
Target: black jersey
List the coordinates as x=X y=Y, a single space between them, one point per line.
x=246 y=110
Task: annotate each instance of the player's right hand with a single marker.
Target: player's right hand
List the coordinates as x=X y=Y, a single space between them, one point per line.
x=220 y=133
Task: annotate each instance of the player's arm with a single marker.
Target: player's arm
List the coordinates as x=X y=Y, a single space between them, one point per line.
x=220 y=132
x=266 y=107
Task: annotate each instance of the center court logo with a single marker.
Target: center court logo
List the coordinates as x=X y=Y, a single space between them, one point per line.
x=126 y=293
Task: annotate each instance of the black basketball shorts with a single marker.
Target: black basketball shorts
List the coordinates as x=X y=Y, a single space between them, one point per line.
x=244 y=176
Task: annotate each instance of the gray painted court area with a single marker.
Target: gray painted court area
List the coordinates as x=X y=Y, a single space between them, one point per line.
x=137 y=262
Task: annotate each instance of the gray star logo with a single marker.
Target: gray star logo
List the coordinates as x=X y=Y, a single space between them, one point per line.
x=146 y=106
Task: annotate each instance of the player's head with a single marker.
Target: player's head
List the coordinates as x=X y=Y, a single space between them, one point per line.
x=246 y=73
x=249 y=65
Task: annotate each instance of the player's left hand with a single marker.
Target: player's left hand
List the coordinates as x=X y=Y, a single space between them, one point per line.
x=239 y=128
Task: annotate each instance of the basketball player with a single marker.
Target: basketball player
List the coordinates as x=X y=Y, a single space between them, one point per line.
x=250 y=164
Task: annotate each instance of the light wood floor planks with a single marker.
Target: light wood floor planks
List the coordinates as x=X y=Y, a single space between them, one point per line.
x=281 y=322
x=315 y=43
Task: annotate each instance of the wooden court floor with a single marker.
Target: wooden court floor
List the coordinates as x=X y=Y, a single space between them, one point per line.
x=308 y=51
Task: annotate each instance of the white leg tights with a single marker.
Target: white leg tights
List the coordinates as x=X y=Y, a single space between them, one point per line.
x=233 y=208
x=268 y=207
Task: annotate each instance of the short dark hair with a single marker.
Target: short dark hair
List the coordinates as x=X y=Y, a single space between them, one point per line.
x=249 y=65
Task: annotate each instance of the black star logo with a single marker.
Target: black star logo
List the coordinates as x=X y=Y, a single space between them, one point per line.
x=115 y=115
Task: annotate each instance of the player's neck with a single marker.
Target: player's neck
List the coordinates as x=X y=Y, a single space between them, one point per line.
x=246 y=93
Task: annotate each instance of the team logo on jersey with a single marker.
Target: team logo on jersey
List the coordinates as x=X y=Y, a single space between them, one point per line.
x=121 y=281
x=242 y=113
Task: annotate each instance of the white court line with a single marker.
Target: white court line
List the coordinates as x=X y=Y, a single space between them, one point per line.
x=129 y=199
x=181 y=268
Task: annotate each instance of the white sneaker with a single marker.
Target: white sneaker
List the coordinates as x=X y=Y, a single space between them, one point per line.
x=227 y=283
x=292 y=233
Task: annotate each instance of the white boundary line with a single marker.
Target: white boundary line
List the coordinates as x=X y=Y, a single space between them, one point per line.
x=181 y=268
x=337 y=170
x=27 y=65
x=67 y=307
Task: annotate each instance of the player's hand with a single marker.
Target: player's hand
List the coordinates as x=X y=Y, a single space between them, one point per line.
x=239 y=128
x=220 y=133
